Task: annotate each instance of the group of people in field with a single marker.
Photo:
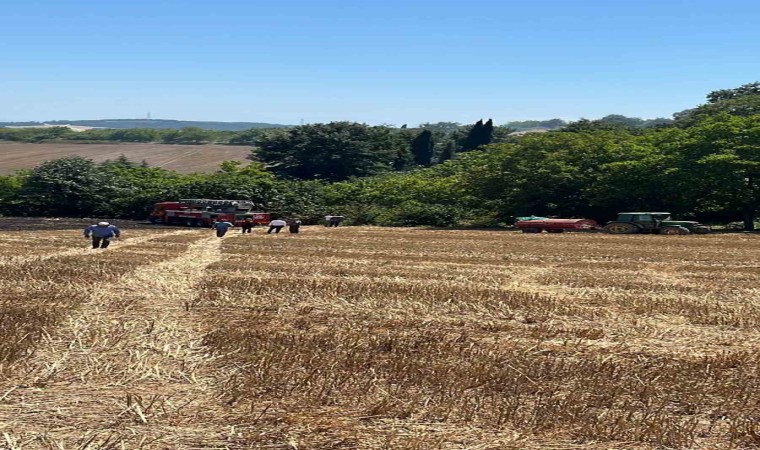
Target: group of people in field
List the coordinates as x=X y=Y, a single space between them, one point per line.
x=103 y=232
x=275 y=226
x=294 y=226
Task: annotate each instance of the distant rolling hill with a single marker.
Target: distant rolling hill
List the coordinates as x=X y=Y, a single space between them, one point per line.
x=182 y=158
x=152 y=123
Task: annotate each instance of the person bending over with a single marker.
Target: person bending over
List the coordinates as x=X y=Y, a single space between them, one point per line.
x=276 y=225
x=222 y=227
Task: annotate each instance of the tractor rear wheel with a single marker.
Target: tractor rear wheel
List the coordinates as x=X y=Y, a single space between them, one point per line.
x=674 y=231
x=621 y=228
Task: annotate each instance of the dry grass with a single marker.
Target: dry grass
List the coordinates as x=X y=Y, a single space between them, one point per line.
x=376 y=338
x=42 y=279
x=373 y=338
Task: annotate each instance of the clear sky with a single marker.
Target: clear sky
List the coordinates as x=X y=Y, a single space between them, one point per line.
x=388 y=61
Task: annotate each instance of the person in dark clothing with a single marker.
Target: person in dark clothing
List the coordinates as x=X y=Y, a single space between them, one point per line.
x=334 y=221
x=222 y=227
x=276 y=225
x=247 y=225
x=102 y=233
x=294 y=226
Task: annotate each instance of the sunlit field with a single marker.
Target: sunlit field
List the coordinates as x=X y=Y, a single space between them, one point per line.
x=375 y=338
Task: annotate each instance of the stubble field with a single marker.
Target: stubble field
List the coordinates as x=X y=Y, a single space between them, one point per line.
x=373 y=338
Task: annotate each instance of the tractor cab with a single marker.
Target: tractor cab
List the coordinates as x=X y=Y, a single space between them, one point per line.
x=648 y=220
x=652 y=222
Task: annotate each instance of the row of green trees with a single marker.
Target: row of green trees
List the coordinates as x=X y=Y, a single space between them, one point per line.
x=710 y=169
x=334 y=151
x=190 y=135
x=341 y=150
x=196 y=135
x=611 y=119
x=705 y=165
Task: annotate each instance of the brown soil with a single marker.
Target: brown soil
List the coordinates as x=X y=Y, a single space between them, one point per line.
x=181 y=158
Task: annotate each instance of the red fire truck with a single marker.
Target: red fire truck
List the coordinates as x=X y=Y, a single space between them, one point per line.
x=203 y=212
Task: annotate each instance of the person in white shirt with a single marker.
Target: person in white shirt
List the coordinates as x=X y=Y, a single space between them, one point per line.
x=276 y=225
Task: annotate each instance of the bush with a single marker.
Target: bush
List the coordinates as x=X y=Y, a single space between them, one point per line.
x=412 y=214
x=739 y=226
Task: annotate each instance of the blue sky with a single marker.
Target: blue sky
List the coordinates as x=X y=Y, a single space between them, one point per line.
x=377 y=62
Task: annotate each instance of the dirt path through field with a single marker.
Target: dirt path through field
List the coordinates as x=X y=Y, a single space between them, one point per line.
x=85 y=248
x=127 y=371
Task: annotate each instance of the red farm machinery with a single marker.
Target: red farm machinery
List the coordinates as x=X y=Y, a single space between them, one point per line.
x=626 y=223
x=539 y=224
x=204 y=212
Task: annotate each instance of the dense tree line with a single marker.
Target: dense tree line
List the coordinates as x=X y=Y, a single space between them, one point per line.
x=159 y=124
x=705 y=165
x=190 y=135
x=611 y=119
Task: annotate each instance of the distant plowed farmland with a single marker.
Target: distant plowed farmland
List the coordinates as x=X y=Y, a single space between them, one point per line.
x=182 y=158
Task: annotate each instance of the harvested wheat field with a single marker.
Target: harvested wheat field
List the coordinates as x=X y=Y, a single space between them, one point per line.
x=181 y=158
x=372 y=338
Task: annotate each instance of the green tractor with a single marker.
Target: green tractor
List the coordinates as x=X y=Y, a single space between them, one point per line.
x=652 y=222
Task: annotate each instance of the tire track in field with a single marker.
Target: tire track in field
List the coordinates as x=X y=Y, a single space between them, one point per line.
x=189 y=153
x=128 y=370
x=88 y=250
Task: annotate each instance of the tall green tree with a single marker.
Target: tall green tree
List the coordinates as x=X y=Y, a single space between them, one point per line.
x=640 y=175
x=448 y=151
x=138 y=186
x=542 y=174
x=479 y=135
x=723 y=154
x=742 y=101
x=474 y=137
x=730 y=94
x=72 y=186
x=305 y=200
x=10 y=187
x=486 y=136
x=234 y=181
x=334 y=151
x=422 y=148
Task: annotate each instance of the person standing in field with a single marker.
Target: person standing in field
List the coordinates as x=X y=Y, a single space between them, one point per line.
x=247 y=225
x=294 y=226
x=101 y=234
x=222 y=227
x=334 y=221
x=276 y=225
